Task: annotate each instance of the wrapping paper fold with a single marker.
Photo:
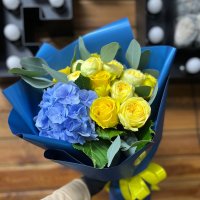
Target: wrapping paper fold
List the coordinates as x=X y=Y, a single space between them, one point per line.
x=25 y=100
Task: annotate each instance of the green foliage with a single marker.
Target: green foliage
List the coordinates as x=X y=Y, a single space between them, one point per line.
x=145 y=133
x=125 y=146
x=74 y=56
x=135 y=142
x=153 y=72
x=108 y=134
x=109 y=51
x=153 y=96
x=83 y=82
x=143 y=91
x=19 y=71
x=84 y=53
x=34 y=68
x=60 y=77
x=144 y=60
x=37 y=82
x=34 y=64
x=113 y=150
x=133 y=54
x=96 y=151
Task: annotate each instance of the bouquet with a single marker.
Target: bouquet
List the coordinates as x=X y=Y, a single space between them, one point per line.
x=97 y=105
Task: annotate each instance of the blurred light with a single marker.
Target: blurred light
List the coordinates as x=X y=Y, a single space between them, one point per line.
x=12 y=62
x=56 y=3
x=154 y=6
x=182 y=68
x=193 y=65
x=156 y=35
x=12 y=32
x=11 y=4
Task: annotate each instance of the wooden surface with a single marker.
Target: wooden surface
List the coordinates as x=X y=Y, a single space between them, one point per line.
x=25 y=174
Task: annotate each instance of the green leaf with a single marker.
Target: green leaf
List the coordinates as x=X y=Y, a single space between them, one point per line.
x=84 y=53
x=109 y=51
x=127 y=142
x=60 y=77
x=144 y=59
x=153 y=72
x=133 y=54
x=74 y=56
x=108 y=134
x=153 y=96
x=143 y=91
x=145 y=133
x=113 y=149
x=19 y=71
x=83 y=82
x=37 y=82
x=34 y=64
x=126 y=147
x=96 y=151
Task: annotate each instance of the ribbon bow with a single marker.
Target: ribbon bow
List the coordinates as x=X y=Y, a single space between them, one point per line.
x=137 y=187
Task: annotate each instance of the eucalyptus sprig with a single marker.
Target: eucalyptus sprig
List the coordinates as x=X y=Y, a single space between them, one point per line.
x=34 y=71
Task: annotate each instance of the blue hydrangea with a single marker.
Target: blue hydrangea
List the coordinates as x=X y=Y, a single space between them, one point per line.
x=64 y=114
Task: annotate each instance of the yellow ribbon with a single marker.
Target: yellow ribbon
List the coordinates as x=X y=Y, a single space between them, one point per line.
x=136 y=187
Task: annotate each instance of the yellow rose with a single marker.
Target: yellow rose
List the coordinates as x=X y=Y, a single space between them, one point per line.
x=121 y=91
x=115 y=68
x=75 y=65
x=96 y=55
x=65 y=71
x=73 y=76
x=104 y=112
x=91 y=66
x=101 y=83
x=150 y=81
x=133 y=76
x=133 y=113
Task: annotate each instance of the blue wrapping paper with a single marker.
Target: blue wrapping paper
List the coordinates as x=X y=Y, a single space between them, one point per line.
x=25 y=100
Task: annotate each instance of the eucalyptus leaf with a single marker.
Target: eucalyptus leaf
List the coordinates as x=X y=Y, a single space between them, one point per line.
x=109 y=51
x=60 y=77
x=74 y=56
x=126 y=147
x=34 y=64
x=144 y=60
x=153 y=72
x=133 y=54
x=83 y=82
x=37 y=82
x=108 y=134
x=84 y=53
x=143 y=91
x=128 y=150
x=113 y=149
x=19 y=71
x=96 y=151
x=153 y=96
